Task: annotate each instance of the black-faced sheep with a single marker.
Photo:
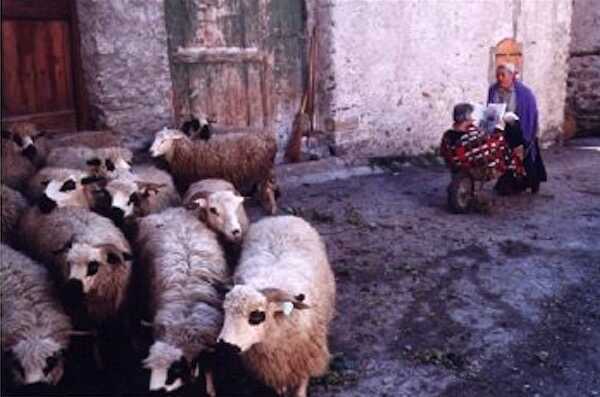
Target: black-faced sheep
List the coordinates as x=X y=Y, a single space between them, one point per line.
x=142 y=191
x=105 y=161
x=86 y=252
x=13 y=206
x=183 y=267
x=35 y=328
x=64 y=187
x=279 y=310
x=246 y=160
x=220 y=206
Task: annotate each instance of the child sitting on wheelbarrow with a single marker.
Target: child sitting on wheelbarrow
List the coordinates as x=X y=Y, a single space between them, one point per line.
x=478 y=153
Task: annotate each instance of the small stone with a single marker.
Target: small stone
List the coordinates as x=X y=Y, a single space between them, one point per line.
x=542 y=356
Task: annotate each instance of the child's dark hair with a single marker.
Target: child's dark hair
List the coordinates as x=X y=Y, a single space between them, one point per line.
x=462 y=112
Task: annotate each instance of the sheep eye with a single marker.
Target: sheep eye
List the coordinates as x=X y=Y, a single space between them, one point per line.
x=51 y=363
x=68 y=185
x=110 y=165
x=256 y=317
x=92 y=268
x=113 y=258
x=18 y=140
x=214 y=211
x=45 y=183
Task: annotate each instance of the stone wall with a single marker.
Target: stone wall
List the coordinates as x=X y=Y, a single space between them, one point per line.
x=126 y=66
x=396 y=68
x=583 y=110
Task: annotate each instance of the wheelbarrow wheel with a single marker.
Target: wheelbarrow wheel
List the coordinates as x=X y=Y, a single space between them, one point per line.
x=460 y=193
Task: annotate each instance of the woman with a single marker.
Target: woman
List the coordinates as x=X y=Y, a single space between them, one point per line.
x=520 y=100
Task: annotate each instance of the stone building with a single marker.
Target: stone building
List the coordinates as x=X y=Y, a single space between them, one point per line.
x=583 y=93
x=388 y=72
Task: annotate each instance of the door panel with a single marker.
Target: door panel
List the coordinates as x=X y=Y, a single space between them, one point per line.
x=38 y=68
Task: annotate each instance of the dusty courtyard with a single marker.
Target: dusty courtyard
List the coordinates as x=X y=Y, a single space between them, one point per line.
x=436 y=304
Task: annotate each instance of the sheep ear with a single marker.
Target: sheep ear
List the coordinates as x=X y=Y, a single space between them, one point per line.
x=148 y=187
x=277 y=295
x=202 y=202
x=95 y=162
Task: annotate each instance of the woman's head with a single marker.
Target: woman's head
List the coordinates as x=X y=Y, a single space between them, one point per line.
x=463 y=116
x=505 y=75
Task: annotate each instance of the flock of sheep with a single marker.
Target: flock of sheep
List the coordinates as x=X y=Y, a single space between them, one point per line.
x=92 y=244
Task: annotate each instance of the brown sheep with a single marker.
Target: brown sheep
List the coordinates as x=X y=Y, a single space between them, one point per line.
x=245 y=160
x=278 y=313
x=16 y=168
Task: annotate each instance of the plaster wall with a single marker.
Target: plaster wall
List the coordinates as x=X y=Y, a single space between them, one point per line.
x=398 y=67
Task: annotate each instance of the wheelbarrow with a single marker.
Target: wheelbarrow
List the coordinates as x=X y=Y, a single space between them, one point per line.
x=476 y=158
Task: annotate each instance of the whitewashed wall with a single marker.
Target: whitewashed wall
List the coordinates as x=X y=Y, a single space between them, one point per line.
x=398 y=66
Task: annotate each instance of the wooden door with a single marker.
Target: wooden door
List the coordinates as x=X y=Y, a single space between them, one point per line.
x=41 y=74
x=240 y=62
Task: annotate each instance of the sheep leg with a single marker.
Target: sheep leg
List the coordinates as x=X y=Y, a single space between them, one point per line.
x=302 y=389
x=210 y=385
x=267 y=196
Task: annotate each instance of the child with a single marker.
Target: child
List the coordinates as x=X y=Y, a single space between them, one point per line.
x=463 y=124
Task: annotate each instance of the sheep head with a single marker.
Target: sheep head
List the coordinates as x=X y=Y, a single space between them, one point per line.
x=36 y=359
x=72 y=191
x=24 y=135
x=86 y=263
x=250 y=312
x=169 y=367
x=110 y=164
x=163 y=142
x=224 y=213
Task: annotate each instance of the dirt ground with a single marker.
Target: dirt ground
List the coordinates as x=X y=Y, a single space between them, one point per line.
x=435 y=304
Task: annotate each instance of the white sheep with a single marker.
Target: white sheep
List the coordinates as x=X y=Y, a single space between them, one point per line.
x=183 y=266
x=105 y=161
x=13 y=206
x=35 y=328
x=279 y=310
x=245 y=160
x=220 y=206
x=86 y=252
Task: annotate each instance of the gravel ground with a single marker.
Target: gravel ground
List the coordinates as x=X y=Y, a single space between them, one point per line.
x=434 y=304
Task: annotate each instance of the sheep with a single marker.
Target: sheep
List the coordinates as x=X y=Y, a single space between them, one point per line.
x=37 y=183
x=55 y=187
x=184 y=269
x=16 y=168
x=220 y=206
x=87 y=254
x=35 y=328
x=278 y=312
x=13 y=206
x=245 y=160
x=144 y=190
x=30 y=140
x=106 y=161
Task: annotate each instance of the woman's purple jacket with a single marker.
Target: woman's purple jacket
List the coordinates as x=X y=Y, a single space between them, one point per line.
x=526 y=110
